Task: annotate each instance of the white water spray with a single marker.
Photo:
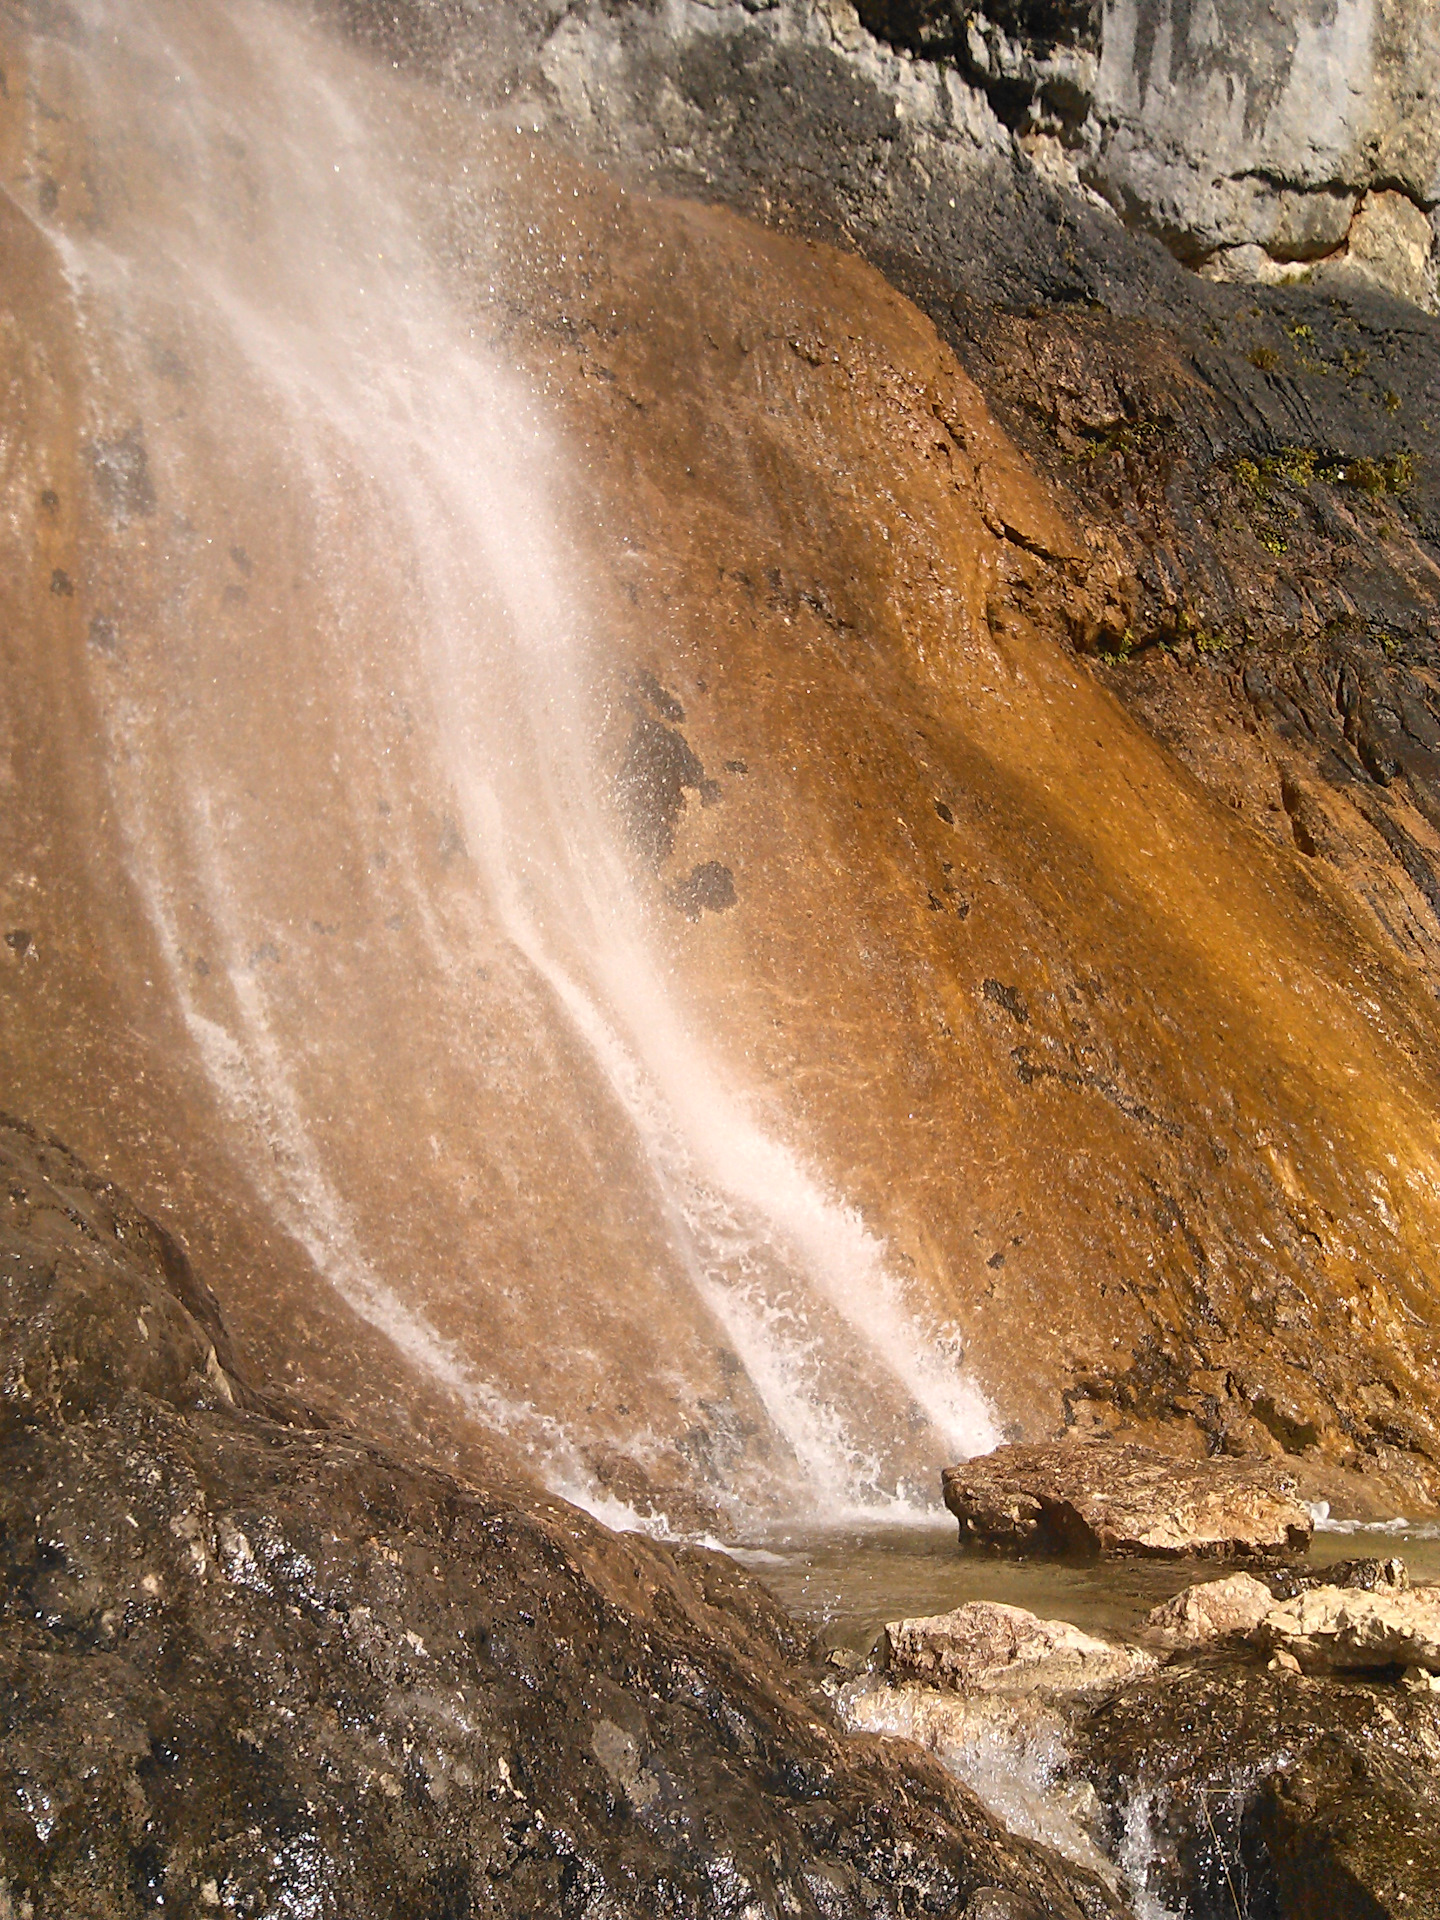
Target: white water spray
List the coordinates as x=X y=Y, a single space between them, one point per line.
x=287 y=246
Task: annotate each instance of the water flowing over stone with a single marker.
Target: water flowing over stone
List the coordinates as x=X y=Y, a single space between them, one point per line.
x=354 y=714
x=255 y=1665
x=549 y=789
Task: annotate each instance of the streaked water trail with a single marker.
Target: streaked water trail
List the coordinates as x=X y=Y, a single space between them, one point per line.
x=274 y=224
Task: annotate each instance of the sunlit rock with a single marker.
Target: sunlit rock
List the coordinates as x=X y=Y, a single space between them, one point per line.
x=987 y=1647
x=1213 y=1610
x=1011 y=1750
x=1330 y=1629
x=1118 y=1498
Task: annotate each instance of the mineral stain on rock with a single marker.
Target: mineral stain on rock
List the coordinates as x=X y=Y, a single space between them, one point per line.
x=121 y=471
x=708 y=888
x=659 y=768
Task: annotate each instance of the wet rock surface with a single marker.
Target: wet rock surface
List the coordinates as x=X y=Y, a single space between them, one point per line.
x=1284 y=1796
x=1351 y=1832
x=1206 y=1785
x=254 y=1666
x=1058 y=967
x=1119 y=1498
x=1251 y=475
x=986 y=1647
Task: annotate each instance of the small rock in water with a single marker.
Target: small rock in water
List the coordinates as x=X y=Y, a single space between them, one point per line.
x=1112 y=1498
x=985 y=1647
x=1333 y=1629
x=1213 y=1610
x=1375 y=1576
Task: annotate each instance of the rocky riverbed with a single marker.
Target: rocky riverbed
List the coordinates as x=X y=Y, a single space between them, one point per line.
x=1244 y=1753
x=257 y=1665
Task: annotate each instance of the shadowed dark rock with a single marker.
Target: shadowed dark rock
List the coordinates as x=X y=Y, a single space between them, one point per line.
x=1286 y=1797
x=1353 y=1835
x=253 y=1666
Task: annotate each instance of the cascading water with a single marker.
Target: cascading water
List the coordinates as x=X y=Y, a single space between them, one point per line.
x=357 y=718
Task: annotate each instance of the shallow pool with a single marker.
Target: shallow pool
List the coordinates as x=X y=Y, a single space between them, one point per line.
x=848 y=1584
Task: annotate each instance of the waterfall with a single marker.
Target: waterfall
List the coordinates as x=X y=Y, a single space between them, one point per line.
x=355 y=711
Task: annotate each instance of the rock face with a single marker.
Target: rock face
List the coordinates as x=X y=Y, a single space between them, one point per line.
x=1352 y=1835
x=1296 y=131
x=1250 y=1785
x=986 y=1647
x=1332 y=1629
x=1254 y=140
x=800 y=522
x=1106 y=1499
x=1213 y=1610
x=253 y=1666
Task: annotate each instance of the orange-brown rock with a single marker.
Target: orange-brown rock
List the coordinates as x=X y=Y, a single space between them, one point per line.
x=1089 y=1084
x=1108 y=1499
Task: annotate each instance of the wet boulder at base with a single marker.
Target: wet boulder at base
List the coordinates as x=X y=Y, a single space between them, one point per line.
x=987 y=1647
x=1353 y=1835
x=1250 y=1787
x=1102 y=1498
x=252 y=1665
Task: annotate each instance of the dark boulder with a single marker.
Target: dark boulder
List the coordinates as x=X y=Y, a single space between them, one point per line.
x=1353 y=1834
x=1266 y=1793
x=252 y=1666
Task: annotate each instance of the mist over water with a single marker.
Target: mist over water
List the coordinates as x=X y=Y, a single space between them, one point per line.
x=355 y=718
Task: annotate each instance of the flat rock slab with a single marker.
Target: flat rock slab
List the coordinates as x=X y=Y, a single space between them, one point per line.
x=1103 y=1498
x=986 y=1647
x=1332 y=1629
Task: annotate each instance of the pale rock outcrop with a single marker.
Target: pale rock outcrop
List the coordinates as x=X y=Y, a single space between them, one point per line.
x=1213 y=1610
x=1105 y=1498
x=1331 y=1629
x=1308 y=129
x=986 y=1647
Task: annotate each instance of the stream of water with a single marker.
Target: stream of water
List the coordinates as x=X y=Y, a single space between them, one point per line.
x=846 y=1584
x=339 y=606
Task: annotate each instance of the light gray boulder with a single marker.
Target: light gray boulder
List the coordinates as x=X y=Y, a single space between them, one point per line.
x=1335 y=1629
x=986 y=1647
x=1307 y=129
x=1212 y=1610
